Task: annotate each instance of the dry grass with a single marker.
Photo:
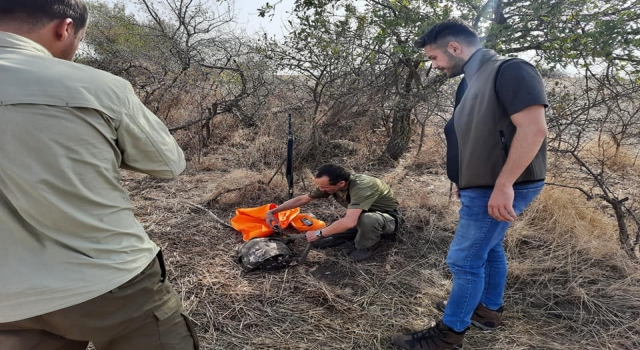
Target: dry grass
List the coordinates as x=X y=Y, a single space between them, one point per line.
x=621 y=160
x=569 y=275
x=569 y=286
x=431 y=157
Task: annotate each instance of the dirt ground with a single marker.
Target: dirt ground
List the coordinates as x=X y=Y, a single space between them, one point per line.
x=557 y=298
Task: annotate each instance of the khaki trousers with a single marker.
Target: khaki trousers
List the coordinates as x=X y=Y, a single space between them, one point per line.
x=371 y=226
x=142 y=314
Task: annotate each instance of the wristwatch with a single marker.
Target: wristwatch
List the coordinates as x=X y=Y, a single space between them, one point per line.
x=319 y=234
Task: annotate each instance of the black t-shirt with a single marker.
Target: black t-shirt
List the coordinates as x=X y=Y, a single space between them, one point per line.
x=518 y=86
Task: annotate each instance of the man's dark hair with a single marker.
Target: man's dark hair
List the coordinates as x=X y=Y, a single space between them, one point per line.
x=334 y=172
x=446 y=31
x=37 y=13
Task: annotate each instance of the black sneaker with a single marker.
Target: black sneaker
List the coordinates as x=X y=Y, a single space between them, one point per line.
x=361 y=254
x=391 y=237
x=438 y=337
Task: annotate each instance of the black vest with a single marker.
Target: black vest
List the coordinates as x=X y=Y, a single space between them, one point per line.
x=484 y=129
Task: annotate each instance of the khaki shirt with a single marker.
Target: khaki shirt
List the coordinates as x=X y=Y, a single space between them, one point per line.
x=67 y=229
x=363 y=192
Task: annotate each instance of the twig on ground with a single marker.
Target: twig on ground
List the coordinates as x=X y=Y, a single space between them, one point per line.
x=229 y=190
x=214 y=216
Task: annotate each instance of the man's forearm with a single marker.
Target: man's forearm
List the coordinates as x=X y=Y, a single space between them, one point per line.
x=292 y=203
x=145 y=142
x=337 y=226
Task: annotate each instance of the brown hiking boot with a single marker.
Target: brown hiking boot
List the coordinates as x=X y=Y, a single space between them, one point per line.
x=483 y=318
x=437 y=337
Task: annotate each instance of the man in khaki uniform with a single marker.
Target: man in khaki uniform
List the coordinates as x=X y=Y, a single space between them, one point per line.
x=372 y=210
x=76 y=266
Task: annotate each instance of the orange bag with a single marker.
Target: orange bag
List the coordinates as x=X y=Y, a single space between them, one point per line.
x=250 y=221
x=307 y=222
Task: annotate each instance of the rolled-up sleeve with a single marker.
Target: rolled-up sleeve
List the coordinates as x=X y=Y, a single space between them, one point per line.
x=317 y=194
x=145 y=142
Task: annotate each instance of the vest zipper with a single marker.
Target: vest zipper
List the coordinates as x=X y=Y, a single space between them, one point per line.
x=503 y=141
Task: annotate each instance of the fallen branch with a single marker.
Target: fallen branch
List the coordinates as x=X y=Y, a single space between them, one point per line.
x=214 y=216
x=217 y=196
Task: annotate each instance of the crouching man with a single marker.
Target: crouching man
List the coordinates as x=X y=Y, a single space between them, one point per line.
x=372 y=211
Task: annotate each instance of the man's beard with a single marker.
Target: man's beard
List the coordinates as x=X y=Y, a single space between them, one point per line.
x=68 y=52
x=455 y=65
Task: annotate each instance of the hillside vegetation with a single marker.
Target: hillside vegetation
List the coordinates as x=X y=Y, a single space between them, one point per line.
x=362 y=96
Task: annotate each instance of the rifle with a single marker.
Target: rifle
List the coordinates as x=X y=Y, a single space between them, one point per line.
x=289 y=172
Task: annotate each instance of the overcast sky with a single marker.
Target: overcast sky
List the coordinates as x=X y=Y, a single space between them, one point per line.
x=246 y=14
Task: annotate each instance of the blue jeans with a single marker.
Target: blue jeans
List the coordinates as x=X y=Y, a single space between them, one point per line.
x=476 y=257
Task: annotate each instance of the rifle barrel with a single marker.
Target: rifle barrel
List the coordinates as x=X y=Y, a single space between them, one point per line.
x=289 y=172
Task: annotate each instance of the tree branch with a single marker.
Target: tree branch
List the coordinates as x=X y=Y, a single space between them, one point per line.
x=208 y=212
x=587 y=194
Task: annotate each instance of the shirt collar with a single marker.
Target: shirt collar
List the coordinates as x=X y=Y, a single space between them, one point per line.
x=14 y=41
x=475 y=61
x=474 y=54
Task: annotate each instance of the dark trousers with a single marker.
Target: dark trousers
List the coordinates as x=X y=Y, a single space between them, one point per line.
x=144 y=313
x=371 y=228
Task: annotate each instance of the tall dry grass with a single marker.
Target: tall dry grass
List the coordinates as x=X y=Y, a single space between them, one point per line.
x=568 y=274
x=569 y=285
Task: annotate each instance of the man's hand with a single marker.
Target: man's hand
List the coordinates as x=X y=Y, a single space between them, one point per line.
x=311 y=236
x=501 y=203
x=292 y=203
x=271 y=220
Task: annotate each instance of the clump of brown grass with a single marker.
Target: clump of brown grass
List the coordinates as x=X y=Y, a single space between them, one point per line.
x=619 y=159
x=565 y=213
x=425 y=201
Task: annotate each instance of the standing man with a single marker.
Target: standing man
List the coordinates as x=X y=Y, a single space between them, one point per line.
x=496 y=156
x=372 y=210
x=76 y=265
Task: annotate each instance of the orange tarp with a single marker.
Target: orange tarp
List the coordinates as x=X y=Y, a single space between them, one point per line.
x=251 y=221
